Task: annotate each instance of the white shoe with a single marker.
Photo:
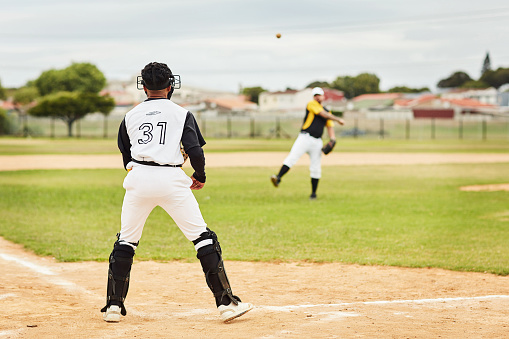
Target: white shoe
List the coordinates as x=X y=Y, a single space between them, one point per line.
x=233 y=311
x=112 y=314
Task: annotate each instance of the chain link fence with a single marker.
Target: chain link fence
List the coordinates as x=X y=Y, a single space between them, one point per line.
x=100 y=126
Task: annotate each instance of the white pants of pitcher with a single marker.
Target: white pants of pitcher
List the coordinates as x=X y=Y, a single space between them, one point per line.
x=305 y=143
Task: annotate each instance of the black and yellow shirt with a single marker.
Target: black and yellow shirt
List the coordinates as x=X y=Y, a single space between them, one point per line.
x=313 y=121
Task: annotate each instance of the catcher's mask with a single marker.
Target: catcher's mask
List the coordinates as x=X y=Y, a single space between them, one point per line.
x=157 y=76
x=174 y=81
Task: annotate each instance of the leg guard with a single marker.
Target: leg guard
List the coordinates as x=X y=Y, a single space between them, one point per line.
x=121 y=260
x=213 y=267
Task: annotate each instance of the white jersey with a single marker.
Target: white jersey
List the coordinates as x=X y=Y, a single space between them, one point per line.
x=155 y=130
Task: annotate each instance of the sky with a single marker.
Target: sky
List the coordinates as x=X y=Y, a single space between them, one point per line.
x=229 y=44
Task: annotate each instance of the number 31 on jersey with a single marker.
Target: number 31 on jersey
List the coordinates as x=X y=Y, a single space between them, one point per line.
x=148 y=128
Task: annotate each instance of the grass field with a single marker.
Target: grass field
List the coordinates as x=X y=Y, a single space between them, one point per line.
x=410 y=215
x=19 y=146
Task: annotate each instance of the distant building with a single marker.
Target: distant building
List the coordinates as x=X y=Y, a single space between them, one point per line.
x=424 y=105
x=450 y=107
x=374 y=101
x=503 y=96
x=293 y=102
x=282 y=102
x=334 y=100
x=378 y=106
x=192 y=96
x=230 y=105
x=485 y=96
x=127 y=95
x=8 y=105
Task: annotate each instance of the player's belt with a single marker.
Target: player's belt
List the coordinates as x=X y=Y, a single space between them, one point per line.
x=307 y=133
x=151 y=163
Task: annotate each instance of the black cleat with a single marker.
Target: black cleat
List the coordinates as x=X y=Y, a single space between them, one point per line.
x=312 y=196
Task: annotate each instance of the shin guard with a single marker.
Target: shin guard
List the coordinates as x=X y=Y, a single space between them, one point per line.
x=213 y=267
x=121 y=260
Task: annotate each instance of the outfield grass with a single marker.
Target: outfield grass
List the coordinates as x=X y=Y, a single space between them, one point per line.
x=21 y=146
x=411 y=216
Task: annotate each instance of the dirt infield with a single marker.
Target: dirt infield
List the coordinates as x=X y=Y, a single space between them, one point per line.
x=251 y=159
x=42 y=298
x=486 y=188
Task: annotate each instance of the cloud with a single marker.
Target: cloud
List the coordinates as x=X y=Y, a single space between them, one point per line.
x=227 y=42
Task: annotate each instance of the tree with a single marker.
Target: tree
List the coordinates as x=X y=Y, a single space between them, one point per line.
x=71 y=93
x=486 y=66
x=345 y=84
x=319 y=84
x=475 y=84
x=354 y=86
x=253 y=93
x=4 y=122
x=367 y=83
x=80 y=77
x=104 y=105
x=3 y=95
x=405 y=89
x=496 y=78
x=25 y=95
x=454 y=80
x=22 y=99
x=71 y=106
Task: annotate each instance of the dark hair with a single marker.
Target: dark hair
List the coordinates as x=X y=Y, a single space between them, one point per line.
x=156 y=76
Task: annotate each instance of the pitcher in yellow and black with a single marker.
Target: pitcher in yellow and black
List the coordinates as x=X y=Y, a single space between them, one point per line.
x=310 y=140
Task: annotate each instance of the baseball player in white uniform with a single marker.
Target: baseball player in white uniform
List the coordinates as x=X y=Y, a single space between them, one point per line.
x=310 y=140
x=150 y=139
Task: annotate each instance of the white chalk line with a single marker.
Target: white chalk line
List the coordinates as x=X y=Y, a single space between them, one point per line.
x=328 y=316
x=68 y=285
x=49 y=276
x=73 y=287
x=331 y=315
x=28 y=264
x=289 y=308
x=7 y=295
x=11 y=333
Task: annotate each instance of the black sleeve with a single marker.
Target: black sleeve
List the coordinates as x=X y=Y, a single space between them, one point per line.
x=192 y=141
x=191 y=136
x=198 y=163
x=124 y=145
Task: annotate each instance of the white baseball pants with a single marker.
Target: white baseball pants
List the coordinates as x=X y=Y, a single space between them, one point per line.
x=305 y=143
x=150 y=186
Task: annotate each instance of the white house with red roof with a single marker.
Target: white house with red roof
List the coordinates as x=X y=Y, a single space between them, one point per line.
x=425 y=105
x=377 y=106
x=8 y=105
x=229 y=105
x=448 y=107
x=485 y=96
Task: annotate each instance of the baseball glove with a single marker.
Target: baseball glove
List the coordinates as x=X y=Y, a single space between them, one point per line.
x=184 y=154
x=329 y=146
